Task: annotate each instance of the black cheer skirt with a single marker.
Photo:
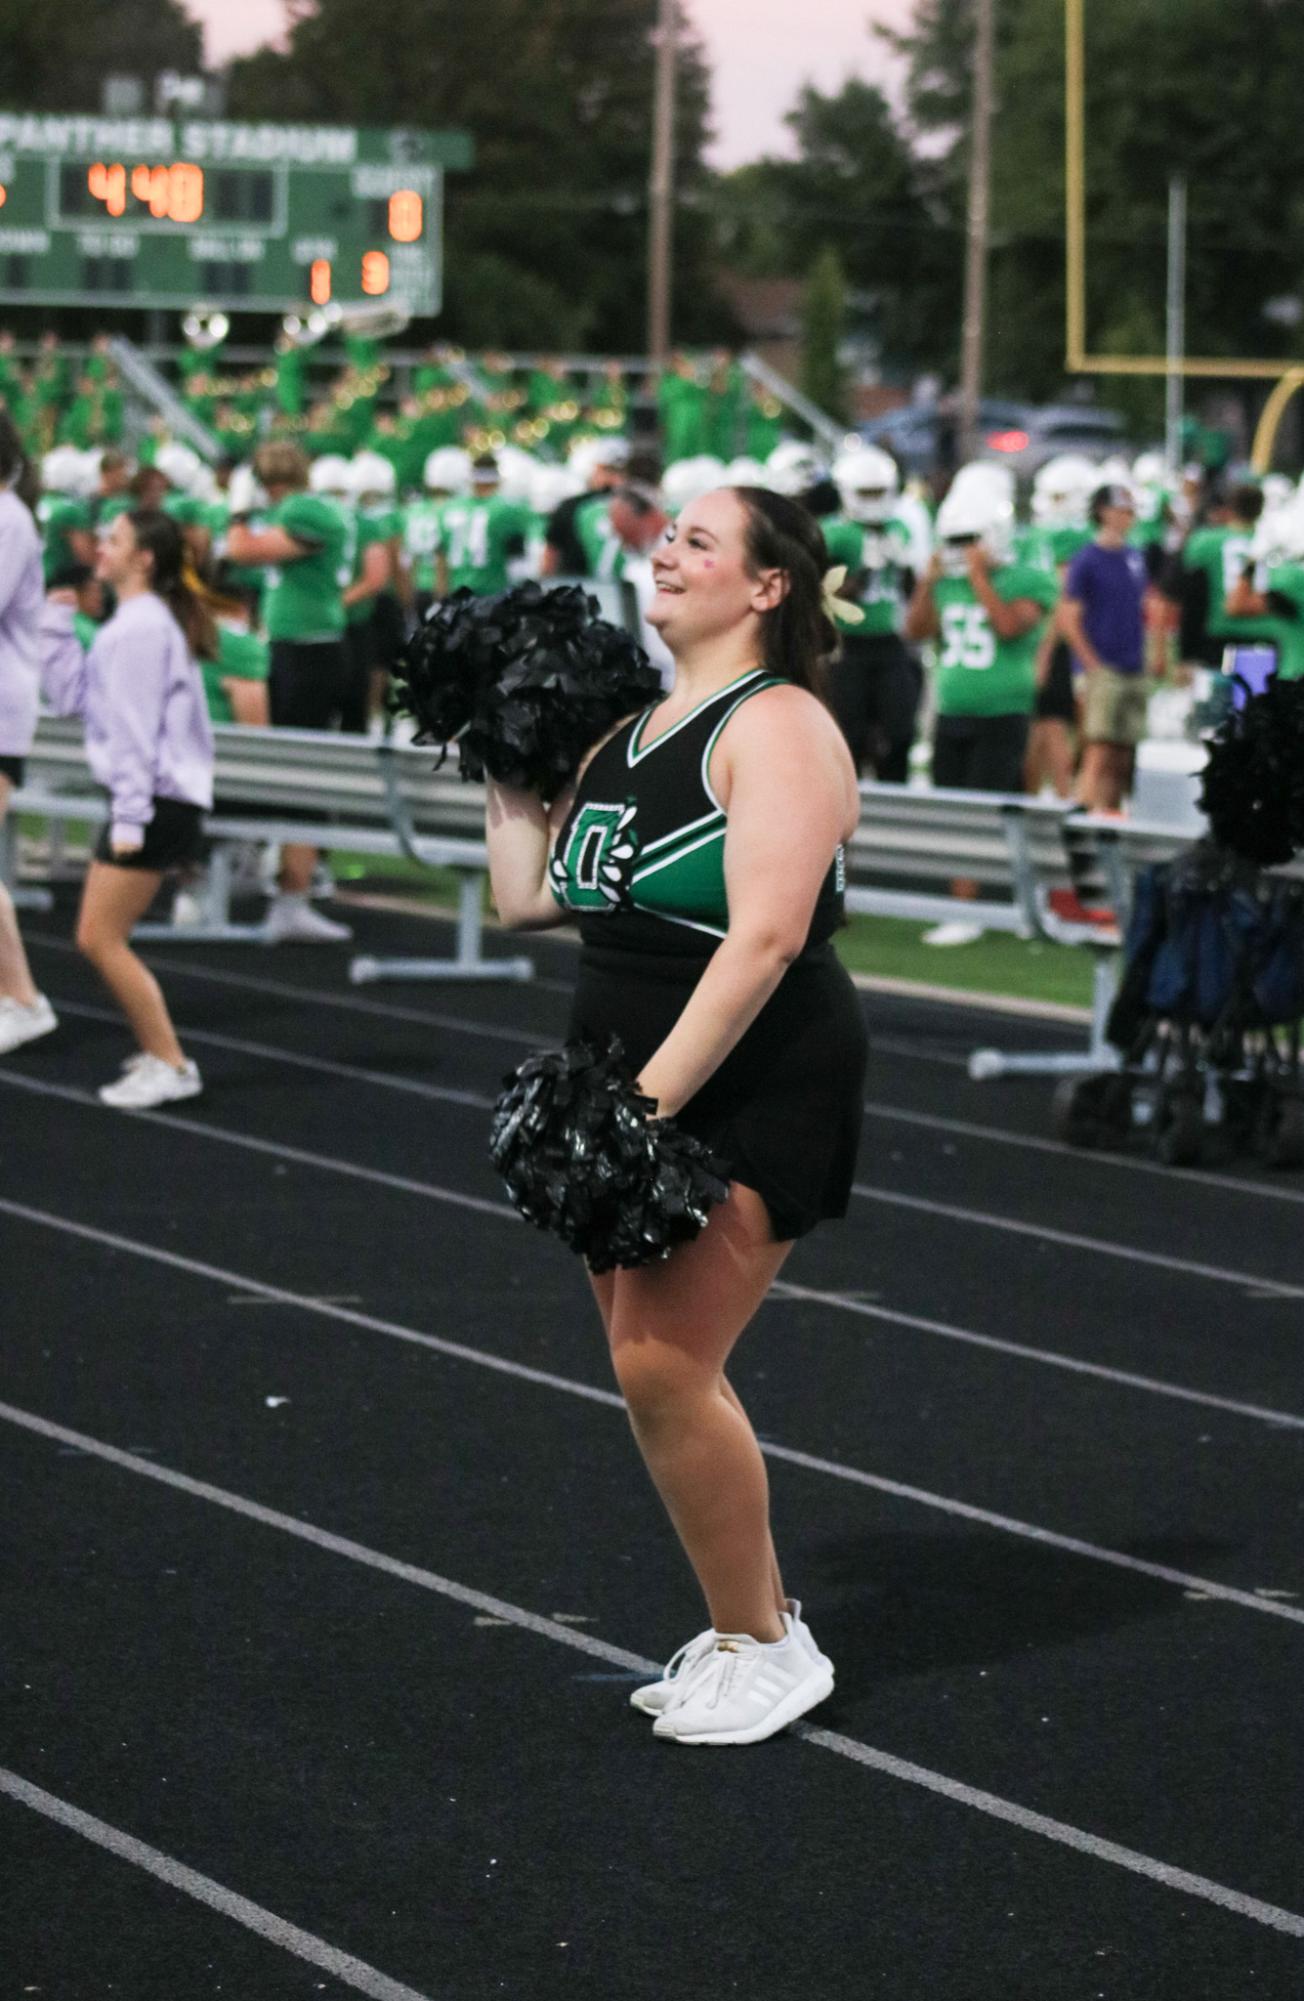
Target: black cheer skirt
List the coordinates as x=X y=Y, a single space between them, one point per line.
x=784 y=1108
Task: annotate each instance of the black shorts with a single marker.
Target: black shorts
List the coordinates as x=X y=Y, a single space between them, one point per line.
x=173 y=839
x=980 y=753
x=874 y=691
x=307 y=683
x=1055 y=698
x=12 y=769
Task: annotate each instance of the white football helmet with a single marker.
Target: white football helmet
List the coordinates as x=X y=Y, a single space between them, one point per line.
x=868 y=482
x=793 y=468
x=1061 y=490
x=330 y=474
x=745 y=472
x=587 y=454
x=372 y=477
x=515 y=472
x=448 y=470
x=245 y=494
x=179 y=465
x=551 y=484
x=62 y=471
x=687 y=479
x=973 y=513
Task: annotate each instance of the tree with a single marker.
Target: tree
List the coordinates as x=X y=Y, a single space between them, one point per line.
x=824 y=322
x=557 y=95
x=55 y=54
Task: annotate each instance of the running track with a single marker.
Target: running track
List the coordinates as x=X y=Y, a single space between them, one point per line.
x=329 y=1564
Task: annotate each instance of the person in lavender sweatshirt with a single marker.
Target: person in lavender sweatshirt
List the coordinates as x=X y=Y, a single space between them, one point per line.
x=25 y=1014
x=150 y=745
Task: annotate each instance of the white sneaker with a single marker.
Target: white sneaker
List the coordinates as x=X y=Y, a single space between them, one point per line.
x=745 y=1690
x=953 y=933
x=147 y=1081
x=655 y=1696
x=292 y=920
x=19 y=1024
x=188 y=911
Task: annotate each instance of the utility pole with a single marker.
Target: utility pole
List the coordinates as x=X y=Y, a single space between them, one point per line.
x=979 y=227
x=1176 y=323
x=661 y=186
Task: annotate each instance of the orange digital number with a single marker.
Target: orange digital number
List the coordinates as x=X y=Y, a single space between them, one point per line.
x=185 y=192
x=375 y=273
x=319 y=282
x=4 y=195
x=407 y=216
x=109 y=185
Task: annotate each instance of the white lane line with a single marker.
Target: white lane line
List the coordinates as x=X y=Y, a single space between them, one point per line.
x=278 y=1931
x=276 y=1149
x=1087 y=1156
x=1248 y=1281
x=789 y=1455
x=311 y=996
x=379 y=1079
x=1052 y=1358
x=838 y=1302
x=991 y=1804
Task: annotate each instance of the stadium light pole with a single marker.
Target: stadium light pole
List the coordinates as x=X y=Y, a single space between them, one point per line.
x=661 y=185
x=978 y=227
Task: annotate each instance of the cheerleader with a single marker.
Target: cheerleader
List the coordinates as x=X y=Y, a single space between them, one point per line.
x=700 y=853
x=25 y=1014
x=149 y=744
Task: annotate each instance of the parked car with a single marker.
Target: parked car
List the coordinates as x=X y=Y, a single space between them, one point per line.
x=1020 y=435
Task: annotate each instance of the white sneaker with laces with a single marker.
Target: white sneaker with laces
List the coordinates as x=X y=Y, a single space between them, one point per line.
x=148 y=1081
x=745 y=1690
x=292 y=920
x=953 y=933
x=19 y=1024
x=655 y=1696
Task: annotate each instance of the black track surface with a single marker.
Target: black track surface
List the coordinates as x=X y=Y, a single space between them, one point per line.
x=469 y=1806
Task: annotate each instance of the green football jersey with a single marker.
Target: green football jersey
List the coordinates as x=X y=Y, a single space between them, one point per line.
x=1286 y=580
x=241 y=656
x=422 y=525
x=370 y=524
x=604 y=552
x=1223 y=555
x=58 y=517
x=978 y=673
x=478 y=536
x=877 y=557
x=304 y=598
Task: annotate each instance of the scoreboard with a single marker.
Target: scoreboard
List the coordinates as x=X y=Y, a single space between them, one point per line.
x=162 y=212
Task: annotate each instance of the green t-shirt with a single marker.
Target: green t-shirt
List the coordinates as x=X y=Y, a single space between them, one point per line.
x=59 y=516
x=241 y=656
x=369 y=525
x=1222 y=555
x=1286 y=580
x=979 y=674
x=422 y=525
x=304 y=598
x=877 y=557
x=479 y=535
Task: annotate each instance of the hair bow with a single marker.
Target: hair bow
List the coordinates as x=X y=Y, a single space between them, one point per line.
x=835 y=607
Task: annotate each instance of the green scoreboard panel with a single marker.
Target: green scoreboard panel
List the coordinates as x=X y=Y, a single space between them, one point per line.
x=158 y=212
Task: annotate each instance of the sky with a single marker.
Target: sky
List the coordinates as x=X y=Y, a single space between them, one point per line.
x=761 y=51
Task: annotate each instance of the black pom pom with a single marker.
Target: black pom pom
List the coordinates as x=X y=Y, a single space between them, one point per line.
x=573 y=1141
x=1254 y=781
x=526 y=682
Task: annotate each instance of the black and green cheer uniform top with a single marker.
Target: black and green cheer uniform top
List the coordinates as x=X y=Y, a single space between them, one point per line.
x=639 y=860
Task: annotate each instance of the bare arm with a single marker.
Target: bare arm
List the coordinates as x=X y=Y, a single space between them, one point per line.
x=518 y=831
x=1071 y=620
x=784 y=774
x=251 y=546
x=921 y=613
x=377 y=570
x=249 y=703
x=1009 y=618
x=1243 y=601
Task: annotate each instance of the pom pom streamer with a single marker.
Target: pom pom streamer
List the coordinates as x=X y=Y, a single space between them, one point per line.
x=1254 y=781
x=581 y=1157
x=525 y=682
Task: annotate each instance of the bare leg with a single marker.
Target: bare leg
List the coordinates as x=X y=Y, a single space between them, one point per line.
x=671 y=1328
x=297 y=866
x=113 y=900
x=15 y=973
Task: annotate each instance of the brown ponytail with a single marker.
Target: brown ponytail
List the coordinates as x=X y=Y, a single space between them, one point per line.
x=798 y=637
x=171 y=580
x=16 y=470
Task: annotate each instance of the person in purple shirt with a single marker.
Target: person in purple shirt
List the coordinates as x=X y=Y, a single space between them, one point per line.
x=25 y=1014
x=149 y=743
x=1103 y=618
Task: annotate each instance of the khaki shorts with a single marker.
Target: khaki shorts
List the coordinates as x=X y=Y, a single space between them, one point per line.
x=1115 y=707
